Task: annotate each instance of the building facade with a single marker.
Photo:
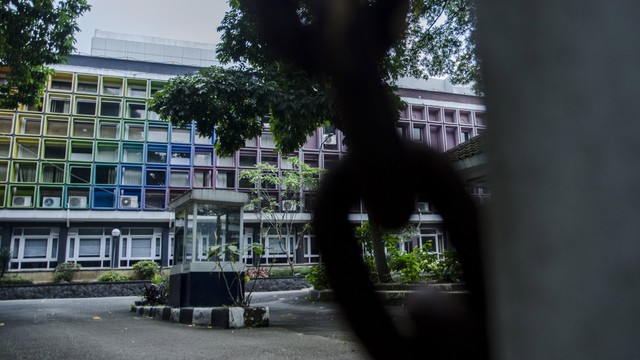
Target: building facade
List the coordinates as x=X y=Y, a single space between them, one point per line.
x=94 y=158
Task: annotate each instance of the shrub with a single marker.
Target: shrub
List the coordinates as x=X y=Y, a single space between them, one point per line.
x=146 y=269
x=15 y=280
x=65 y=272
x=448 y=268
x=112 y=276
x=155 y=294
x=5 y=259
x=317 y=277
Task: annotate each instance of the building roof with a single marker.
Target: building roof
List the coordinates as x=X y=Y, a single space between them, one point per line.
x=472 y=147
x=470 y=160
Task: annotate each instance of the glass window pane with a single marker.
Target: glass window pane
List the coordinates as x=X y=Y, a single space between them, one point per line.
x=35 y=248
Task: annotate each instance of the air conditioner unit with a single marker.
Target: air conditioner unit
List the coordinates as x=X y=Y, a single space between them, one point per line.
x=329 y=139
x=51 y=202
x=77 y=201
x=21 y=201
x=128 y=202
x=423 y=207
x=289 y=205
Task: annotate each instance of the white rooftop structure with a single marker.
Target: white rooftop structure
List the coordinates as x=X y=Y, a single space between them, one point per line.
x=152 y=49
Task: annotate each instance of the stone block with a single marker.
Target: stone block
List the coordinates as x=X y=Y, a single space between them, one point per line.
x=202 y=316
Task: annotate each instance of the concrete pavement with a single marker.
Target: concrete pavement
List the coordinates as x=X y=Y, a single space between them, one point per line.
x=104 y=328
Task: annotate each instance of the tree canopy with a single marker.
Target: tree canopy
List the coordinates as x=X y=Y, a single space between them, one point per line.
x=34 y=34
x=437 y=41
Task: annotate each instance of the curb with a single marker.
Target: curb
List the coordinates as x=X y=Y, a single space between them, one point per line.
x=215 y=317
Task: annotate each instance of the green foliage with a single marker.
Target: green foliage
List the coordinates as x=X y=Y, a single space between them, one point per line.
x=154 y=295
x=111 y=276
x=231 y=253
x=34 y=34
x=448 y=268
x=317 y=277
x=5 y=259
x=66 y=272
x=233 y=101
x=146 y=269
x=15 y=280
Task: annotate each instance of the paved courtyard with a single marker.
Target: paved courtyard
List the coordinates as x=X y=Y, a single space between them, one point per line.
x=104 y=328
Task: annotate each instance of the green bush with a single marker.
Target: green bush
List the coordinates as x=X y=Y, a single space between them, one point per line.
x=448 y=268
x=317 y=277
x=15 y=280
x=112 y=276
x=65 y=272
x=146 y=269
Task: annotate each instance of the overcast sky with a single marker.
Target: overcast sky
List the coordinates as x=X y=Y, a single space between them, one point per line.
x=191 y=20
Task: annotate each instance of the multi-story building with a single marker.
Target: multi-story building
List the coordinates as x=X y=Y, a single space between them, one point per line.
x=94 y=158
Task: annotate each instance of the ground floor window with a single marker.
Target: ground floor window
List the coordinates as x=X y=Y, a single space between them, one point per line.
x=278 y=249
x=90 y=247
x=34 y=248
x=311 y=250
x=138 y=244
x=434 y=237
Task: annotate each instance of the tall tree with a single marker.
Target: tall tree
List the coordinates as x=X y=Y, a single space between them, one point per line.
x=438 y=41
x=281 y=216
x=34 y=34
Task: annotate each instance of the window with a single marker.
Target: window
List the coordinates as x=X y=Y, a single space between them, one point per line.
x=417 y=134
x=136 y=110
x=131 y=175
x=5 y=147
x=180 y=156
x=134 y=132
x=247 y=159
x=59 y=84
x=55 y=149
x=26 y=148
x=112 y=87
x=57 y=126
x=83 y=128
x=85 y=106
x=24 y=172
x=137 y=88
x=132 y=154
x=109 y=130
x=110 y=108
x=154 y=199
x=225 y=179
x=225 y=161
x=34 y=248
x=266 y=140
x=179 y=178
x=203 y=158
x=157 y=155
x=79 y=174
x=28 y=125
x=271 y=159
x=90 y=247
x=59 y=105
x=52 y=173
x=202 y=178
x=106 y=174
x=156 y=177
x=4 y=171
x=140 y=244
x=157 y=133
x=81 y=151
x=180 y=135
x=87 y=84
x=311 y=249
x=201 y=139
x=465 y=135
x=6 y=123
x=107 y=152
